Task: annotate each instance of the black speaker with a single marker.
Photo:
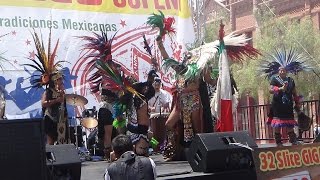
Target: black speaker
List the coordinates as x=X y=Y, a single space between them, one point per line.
x=22 y=149
x=317 y=139
x=219 y=152
x=63 y=162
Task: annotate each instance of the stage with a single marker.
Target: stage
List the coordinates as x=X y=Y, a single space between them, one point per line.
x=165 y=170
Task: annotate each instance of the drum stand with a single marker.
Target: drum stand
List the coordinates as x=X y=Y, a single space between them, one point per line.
x=76 y=123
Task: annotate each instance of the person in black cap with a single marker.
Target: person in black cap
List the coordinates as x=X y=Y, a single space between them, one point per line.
x=128 y=165
x=151 y=75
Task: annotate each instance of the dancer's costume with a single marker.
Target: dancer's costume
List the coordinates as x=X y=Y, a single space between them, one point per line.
x=130 y=95
x=234 y=48
x=195 y=68
x=97 y=51
x=55 y=116
x=281 y=113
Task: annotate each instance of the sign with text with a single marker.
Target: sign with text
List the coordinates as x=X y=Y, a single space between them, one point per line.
x=70 y=19
x=288 y=162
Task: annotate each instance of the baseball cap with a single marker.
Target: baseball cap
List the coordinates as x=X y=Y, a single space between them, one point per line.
x=153 y=73
x=157 y=79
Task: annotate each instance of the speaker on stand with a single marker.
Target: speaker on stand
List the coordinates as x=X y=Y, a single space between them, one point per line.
x=228 y=153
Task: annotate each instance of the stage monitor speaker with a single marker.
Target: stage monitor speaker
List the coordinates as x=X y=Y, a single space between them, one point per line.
x=317 y=139
x=219 y=152
x=22 y=149
x=63 y=162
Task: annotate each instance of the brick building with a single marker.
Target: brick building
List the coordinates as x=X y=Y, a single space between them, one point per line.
x=242 y=17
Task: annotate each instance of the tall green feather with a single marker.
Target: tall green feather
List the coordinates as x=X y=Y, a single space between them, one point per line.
x=156 y=21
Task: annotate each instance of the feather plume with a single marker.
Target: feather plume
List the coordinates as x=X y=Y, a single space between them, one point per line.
x=164 y=24
x=169 y=63
x=99 y=47
x=2 y=58
x=237 y=49
x=45 y=60
x=192 y=71
x=113 y=81
x=291 y=60
x=168 y=23
x=119 y=120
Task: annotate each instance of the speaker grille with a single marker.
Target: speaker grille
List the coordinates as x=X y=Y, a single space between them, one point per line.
x=219 y=152
x=22 y=154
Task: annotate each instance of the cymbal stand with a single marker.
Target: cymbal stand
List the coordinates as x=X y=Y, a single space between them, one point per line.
x=76 y=127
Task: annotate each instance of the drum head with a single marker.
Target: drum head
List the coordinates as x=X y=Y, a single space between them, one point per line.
x=89 y=122
x=156 y=115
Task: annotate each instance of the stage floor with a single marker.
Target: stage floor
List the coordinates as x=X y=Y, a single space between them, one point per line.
x=95 y=170
x=165 y=170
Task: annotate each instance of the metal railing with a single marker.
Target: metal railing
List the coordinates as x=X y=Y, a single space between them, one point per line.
x=253 y=119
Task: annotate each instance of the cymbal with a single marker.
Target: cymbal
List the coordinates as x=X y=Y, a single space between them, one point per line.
x=76 y=100
x=89 y=122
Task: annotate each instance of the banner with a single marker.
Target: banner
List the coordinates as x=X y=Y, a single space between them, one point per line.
x=69 y=19
x=288 y=162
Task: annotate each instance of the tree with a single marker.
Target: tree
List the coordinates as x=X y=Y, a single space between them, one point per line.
x=277 y=33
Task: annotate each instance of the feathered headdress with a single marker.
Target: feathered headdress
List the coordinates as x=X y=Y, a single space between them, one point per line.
x=182 y=68
x=2 y=59
x=99 y=49
x=292 y=61
x=237 y=48
x=45 y=61
x=100 y=55
x=113 y=81
x=164 y=24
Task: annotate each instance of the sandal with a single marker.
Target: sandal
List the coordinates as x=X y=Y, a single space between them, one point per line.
x=169 y=153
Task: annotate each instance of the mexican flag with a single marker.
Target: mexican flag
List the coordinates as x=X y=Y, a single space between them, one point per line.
x=224 y=93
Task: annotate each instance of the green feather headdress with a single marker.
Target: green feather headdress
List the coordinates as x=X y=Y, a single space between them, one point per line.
x=164 y=24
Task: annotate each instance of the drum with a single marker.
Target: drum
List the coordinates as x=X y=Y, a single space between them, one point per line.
x=158 y=127
x=304 y=122
x=89 y=118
